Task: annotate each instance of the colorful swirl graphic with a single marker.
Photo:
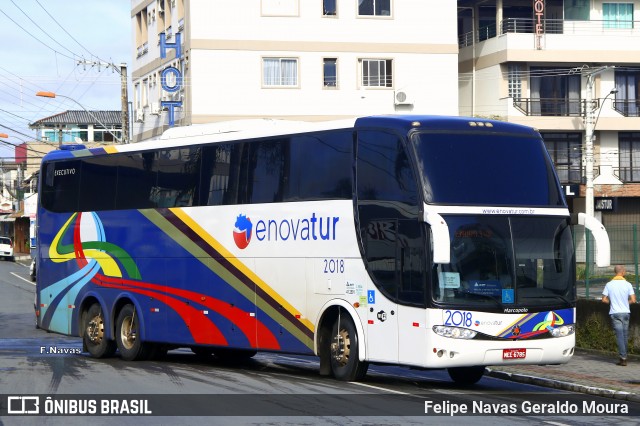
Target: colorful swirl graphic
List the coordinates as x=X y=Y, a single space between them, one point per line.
x=109 y=266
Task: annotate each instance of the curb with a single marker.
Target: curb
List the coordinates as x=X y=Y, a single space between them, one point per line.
x=558 y=384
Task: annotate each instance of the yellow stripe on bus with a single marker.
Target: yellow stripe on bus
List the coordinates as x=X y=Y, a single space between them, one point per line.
x=238 y=264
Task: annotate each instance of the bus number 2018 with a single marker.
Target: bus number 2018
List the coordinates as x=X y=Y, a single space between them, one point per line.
x=334 y=266
x=458 y=318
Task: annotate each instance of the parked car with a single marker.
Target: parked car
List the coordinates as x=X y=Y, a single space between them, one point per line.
x=32 y=270
x=6 y=248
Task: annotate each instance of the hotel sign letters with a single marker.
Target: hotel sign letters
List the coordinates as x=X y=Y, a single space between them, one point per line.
x=169 y=72
x=538 y=21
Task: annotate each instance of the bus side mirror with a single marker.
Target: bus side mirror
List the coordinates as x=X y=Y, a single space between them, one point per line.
x=603 y=246
x=440 y=241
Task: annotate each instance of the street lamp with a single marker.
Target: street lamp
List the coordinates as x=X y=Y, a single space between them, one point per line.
x=53 y=95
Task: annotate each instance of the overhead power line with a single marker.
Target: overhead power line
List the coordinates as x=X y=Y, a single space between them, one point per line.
x=36 y=38
x=41 y=29
x=65 y=30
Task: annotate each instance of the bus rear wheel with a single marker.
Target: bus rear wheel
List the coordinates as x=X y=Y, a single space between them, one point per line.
x=130 y=346
x=343 y=350
x=94 y=336
x=466 y=376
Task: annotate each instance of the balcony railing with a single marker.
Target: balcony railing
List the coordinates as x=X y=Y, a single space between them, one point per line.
x=550 y=26
x=552 y=107
x=627 y=174
x=570 y=175
x=627 y=107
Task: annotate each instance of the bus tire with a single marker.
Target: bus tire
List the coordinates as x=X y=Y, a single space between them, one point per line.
x=466 y=376
x=94 y=336
x=343 y=349
x=130 y=346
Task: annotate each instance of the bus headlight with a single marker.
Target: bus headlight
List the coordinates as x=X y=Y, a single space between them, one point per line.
x=454 y=332
x=562 y=331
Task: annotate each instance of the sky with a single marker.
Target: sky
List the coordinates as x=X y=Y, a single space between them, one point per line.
x=43 y=42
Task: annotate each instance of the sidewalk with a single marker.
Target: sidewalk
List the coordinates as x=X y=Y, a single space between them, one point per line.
x=590 y=372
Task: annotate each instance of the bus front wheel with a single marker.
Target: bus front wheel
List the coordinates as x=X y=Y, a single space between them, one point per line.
x=343 y=350
x=466 y=375
x=130 y=346
x=94 y=337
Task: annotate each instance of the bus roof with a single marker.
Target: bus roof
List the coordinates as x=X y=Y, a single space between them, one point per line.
x=265 y=127
x=405 y=123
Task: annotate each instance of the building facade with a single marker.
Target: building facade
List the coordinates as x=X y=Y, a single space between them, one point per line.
x=91 y=128
x=200 y=61
x=571 y=70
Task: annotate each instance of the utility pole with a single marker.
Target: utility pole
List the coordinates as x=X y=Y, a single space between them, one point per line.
x=589 y=127
x=124 y=114
x=125 y=103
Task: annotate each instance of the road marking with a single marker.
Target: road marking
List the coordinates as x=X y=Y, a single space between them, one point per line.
x=386 y=390
x=23 y=279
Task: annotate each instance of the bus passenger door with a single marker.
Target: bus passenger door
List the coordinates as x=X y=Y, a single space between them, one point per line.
x=412 y=285
x=379 y=240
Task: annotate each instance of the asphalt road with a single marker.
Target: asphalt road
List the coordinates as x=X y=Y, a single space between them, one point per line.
x=182 y=388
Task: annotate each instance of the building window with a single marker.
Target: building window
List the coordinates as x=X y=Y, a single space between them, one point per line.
x=138 y=95
x=377 y=73
x=627 y=98
x=280 y=72
x=330 y=72
x=329 y=8
x=145 y=92
x=565 y=150
x=577 y=10
x=515 y=81
x=629 y=148
x=374 y=7
x=554 y=93
x=617 y=15
x=142 y=33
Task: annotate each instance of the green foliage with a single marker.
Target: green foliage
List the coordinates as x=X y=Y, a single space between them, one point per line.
x=581 y=272
x=596 y=333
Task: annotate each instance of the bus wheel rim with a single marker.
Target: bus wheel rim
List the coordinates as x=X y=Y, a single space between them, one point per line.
x=127 y=333
x=341 y=347
x=95 y=329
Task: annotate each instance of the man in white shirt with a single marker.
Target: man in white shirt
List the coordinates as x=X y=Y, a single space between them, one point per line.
x=618 y=293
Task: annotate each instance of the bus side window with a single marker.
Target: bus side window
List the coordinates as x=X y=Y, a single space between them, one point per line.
x=60 y=187
x=320 y=167
x=94 y=194
x=216 y=171
x=268 y=160
x=178 y=177
x=136 y=179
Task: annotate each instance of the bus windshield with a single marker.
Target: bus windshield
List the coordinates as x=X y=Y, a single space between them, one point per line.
x=501 y=261
x=496 y=169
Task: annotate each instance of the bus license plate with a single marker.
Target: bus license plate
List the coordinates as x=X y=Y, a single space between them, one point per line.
x=514 y=353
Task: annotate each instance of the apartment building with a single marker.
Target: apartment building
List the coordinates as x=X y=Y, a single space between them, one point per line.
x=572 y=70
x=200 y=61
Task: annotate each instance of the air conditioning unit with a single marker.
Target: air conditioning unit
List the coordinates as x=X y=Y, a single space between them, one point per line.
x=401 y=97
x=139 y=115
x=155 y=108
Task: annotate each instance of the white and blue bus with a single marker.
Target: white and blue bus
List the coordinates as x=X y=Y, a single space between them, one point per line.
x=433 y=242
